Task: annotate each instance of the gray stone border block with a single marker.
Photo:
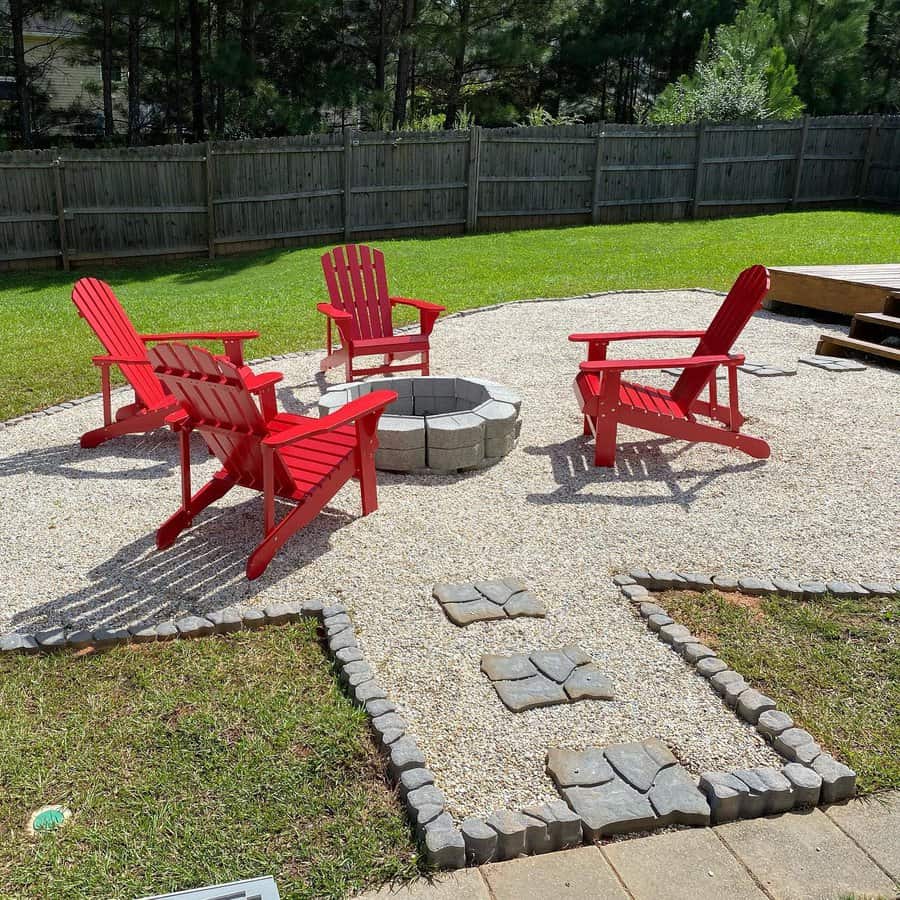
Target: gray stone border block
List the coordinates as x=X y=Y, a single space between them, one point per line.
x=438 y=423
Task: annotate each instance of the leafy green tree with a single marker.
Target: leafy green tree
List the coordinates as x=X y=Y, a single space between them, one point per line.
x=824 y=41
x=742 y=74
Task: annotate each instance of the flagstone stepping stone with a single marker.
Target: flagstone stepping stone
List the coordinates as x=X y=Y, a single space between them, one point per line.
x=721 y=373
x=833 y=363
x=484 y=601
x=545 y=678
x=529 y=693
x=579 y=768
x=764 y=370
x=633 y=786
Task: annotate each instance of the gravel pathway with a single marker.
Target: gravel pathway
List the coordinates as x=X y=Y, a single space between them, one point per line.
x=77 y=530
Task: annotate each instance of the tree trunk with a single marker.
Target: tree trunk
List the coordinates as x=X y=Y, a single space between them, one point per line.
x=196 y=70
x=17 y=21
x=106 y=64
x=459 y=65
x=176 y=37
x=381 y=46
x=404 y=62
x=248 y=41
x=134 y=78
x=221 y=22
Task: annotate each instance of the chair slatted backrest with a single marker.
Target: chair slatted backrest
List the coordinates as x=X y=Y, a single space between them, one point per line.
x=743 y=300
x=99 y=306
x=357 y=284
x=213 y=393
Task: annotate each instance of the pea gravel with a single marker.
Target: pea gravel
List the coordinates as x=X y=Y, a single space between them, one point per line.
x=78 y=526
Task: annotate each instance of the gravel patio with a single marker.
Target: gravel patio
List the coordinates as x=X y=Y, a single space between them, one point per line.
x=79 y=529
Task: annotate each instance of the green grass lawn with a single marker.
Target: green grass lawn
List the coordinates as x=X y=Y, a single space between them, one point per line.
x=833 y=665
x=45 y=350
x=191 y=763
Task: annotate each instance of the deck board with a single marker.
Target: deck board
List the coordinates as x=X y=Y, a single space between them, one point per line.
x=842 y=289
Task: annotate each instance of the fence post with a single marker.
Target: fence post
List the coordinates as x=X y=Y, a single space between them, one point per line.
x=348 y=180
x=61 y=212
x=598 y=171
x=871 y=141
x=698 y=170
x=798 y=172
x=210 y=207
x=472 y=176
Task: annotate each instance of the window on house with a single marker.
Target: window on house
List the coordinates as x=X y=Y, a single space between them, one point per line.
x=115 y=74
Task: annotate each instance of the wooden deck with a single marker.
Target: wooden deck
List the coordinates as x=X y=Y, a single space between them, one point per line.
x=841 y=289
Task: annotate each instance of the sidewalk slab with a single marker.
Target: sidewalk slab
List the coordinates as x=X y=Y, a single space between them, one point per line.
x=581 y=874
x=681 y=865
x=874 y=823
x=464 y=884
x=804 y=856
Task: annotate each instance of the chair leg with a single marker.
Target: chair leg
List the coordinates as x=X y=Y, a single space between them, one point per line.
x=587 y=425
x=219 y=485
x=295 y=520
x=605 y=446
x=426 y=368
x=133 y=425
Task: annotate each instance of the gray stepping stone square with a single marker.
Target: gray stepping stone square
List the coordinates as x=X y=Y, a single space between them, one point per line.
x=833 y=363
x=639 y=762
x=529 y=693
x=574 y=768
x=676 y=799
x=507 y=668
x=480 y=610
x=611 y=808
x=483 y=601
x=721 y=373
x=764 y=370
x=524 y=604
x=546 y=677
x=589 y=683
x=554 y=664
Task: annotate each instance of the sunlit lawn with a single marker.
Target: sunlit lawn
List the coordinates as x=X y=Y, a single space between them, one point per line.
x=45 y=350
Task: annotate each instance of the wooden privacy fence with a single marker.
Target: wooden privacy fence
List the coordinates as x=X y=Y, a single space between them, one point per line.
x=224 y=197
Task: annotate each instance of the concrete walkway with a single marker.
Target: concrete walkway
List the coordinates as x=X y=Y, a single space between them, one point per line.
x=848 y=850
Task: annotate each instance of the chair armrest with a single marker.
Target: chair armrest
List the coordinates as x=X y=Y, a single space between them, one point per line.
x=428 y=312
x=587 y=337
x=257 y=383
x=687 y=362
x=118 y=361
x=333 y=312
x=355 y=409
x=418 y=304
x=200 y=336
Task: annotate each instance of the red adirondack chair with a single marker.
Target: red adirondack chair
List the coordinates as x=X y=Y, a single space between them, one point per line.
x=607 y=401
x=127 y=349
x=361 y=307
x=282 y=455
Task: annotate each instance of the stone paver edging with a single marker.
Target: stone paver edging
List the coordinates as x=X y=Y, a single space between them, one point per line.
x=810 y=775
x=424 y=802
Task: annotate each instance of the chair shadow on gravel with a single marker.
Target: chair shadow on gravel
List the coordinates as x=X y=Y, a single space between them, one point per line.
x=204 y=570
x=149 y=456
x=638 y=463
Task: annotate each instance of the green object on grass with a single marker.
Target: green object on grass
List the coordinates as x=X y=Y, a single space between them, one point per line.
x=48 y=820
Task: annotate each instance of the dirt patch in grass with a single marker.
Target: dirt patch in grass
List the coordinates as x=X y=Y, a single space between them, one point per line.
x=832 y=664
x=193 y=763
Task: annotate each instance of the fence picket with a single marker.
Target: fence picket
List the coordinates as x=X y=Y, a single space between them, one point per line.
x=118 y=204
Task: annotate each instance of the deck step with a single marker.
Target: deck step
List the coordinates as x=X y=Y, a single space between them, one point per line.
x=833 y=344
x=883 y=320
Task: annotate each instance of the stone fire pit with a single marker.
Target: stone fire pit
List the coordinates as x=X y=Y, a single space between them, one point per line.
x=437 y=423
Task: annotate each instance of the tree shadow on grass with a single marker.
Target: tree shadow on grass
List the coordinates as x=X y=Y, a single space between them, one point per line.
x=204 y=570
x=638 y=463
